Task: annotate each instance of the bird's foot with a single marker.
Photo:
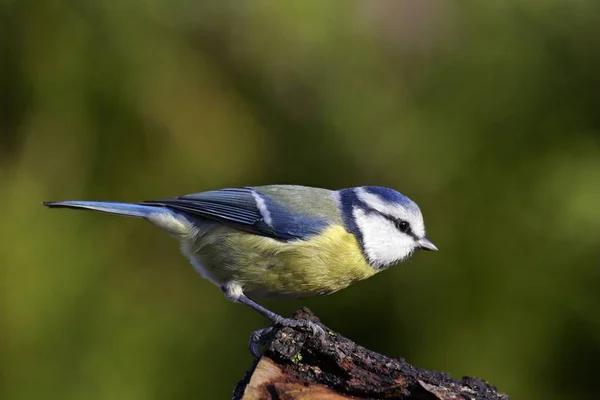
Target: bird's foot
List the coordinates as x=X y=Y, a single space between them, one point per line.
x=259 y=336
x=299 y=323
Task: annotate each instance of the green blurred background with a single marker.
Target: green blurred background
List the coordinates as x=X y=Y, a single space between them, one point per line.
x=485 y=113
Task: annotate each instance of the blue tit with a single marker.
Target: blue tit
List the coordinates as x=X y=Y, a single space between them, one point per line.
x=284 y=241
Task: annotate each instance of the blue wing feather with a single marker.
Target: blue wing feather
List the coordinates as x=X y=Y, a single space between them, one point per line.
x=237 y=207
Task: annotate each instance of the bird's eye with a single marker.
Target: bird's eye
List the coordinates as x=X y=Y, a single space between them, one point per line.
x=403 y=226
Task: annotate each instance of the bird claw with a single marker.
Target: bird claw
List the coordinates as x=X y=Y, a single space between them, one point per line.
x=258 y=337
x=297 y=323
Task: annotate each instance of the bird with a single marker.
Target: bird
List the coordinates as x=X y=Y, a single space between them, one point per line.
x=283 y=241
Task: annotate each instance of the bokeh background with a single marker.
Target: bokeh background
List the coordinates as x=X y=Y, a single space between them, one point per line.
x=485 y=113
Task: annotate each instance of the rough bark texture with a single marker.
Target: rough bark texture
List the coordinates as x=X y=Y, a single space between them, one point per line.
x=298 y=365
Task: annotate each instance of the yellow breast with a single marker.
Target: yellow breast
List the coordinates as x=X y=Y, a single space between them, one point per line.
x=268 y=268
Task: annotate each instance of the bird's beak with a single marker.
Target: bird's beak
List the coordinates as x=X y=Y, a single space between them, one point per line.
x=426 y=244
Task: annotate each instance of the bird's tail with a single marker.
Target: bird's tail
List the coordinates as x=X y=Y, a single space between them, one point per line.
x=129 y=209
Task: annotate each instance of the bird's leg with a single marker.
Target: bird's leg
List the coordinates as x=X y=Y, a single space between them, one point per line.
x=278 y=319
x=258 y=337
x=233 y=291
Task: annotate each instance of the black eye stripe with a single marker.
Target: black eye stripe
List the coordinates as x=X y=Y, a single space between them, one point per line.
x=397 y=222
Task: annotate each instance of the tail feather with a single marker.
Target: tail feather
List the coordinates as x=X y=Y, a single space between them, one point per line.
x=129 y=209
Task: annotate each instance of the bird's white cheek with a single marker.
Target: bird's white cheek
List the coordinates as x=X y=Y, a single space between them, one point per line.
x=383 y=243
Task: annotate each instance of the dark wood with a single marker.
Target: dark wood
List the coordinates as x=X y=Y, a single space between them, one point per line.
x=299 y=365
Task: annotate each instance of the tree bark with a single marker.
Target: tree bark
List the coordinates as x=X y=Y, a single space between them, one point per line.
x=297 y=365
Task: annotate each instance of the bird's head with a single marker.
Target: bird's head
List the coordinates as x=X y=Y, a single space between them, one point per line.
x=388 y=225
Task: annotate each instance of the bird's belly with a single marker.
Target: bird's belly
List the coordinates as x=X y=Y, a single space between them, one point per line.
x=268 y=268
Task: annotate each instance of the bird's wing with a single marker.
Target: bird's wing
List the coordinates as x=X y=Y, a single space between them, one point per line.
x=246 y=209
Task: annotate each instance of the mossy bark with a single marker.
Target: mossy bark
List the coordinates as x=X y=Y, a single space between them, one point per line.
x=298 y=365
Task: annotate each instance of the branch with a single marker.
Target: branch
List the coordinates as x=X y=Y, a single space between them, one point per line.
x=298 y=365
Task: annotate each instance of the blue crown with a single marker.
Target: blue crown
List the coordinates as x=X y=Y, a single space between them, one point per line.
x=391 y=196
